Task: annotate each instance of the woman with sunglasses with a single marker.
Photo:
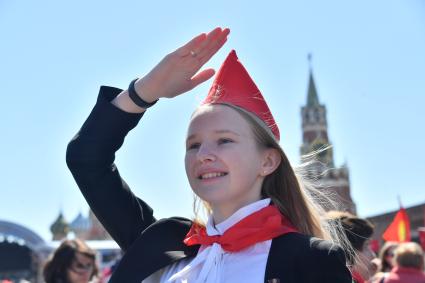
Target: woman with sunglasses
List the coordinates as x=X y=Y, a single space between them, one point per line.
x=72 y=262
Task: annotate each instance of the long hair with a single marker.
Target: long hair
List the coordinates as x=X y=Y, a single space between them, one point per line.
x=384 y=253
x=283 y=186
x=55 y=269
x=296 y=199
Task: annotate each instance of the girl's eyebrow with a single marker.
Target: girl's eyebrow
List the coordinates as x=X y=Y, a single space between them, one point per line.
x=226 y=132
x=217 y=132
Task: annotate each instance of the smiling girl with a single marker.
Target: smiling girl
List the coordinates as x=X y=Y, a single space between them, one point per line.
x=262 y=227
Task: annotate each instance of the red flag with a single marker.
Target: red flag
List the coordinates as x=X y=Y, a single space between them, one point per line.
x=399 y=229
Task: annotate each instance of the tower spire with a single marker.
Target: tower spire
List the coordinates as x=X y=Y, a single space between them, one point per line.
x=312 y=97
x=335 y=181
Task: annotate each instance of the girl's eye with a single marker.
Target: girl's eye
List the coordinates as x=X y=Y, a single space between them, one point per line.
x=193 y=146
x=224 y=141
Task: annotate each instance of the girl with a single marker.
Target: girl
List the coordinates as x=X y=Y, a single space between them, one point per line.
x=262 y=226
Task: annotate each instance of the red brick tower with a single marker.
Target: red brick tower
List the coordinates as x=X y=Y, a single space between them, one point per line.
x=334 y=181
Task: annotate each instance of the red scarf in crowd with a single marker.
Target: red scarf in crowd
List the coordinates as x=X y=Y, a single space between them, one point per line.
x=357 y=277
x=265 y=224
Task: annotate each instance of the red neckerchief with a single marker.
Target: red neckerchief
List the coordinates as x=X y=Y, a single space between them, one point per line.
x=265 y=224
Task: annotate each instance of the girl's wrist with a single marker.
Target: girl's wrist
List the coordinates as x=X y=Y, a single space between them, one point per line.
x=145 y=91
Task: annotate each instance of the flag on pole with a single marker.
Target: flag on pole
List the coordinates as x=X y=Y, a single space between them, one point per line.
x=399 y=229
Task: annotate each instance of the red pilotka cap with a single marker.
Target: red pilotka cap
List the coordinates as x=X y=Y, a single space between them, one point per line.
x=233 y=85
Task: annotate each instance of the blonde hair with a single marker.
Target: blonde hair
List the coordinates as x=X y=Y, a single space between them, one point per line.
x=409 y=255
x=297 y=199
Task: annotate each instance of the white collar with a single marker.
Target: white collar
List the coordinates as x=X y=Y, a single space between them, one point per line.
x=207 y=265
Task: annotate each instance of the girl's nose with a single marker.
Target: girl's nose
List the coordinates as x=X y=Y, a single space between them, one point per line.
x=205 y=153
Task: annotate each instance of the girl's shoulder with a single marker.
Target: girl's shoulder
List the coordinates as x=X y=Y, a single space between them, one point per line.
x=307 y=248
x=163 y=237
x=306 y=243
x=173 y=226
x=298 y=253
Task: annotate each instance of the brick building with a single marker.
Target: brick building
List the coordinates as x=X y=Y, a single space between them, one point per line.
x=334 y=181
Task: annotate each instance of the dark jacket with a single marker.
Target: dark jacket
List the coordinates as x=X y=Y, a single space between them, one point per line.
x=150 y=245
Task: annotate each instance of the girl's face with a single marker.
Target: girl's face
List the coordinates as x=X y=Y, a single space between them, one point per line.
x=81 y=269
x=224 y=165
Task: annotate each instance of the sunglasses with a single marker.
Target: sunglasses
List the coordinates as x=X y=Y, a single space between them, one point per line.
x=79 y=267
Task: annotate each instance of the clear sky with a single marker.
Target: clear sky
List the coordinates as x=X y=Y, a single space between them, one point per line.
x=368 y=64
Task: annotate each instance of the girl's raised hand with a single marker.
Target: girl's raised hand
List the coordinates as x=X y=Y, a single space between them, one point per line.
x=179 y=71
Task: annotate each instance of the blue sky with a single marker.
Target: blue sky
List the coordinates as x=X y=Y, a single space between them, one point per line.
x=368 y=63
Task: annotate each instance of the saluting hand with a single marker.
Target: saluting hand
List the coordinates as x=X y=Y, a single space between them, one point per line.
x=179 y=71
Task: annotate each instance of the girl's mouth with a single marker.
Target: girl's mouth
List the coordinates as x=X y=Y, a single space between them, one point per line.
x=211 y=175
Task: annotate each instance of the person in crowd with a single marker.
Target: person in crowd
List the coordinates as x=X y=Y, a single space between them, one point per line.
x=72 y=262
x=409 y=265
x=262 y=225
x=386 y=255
x=358 y=231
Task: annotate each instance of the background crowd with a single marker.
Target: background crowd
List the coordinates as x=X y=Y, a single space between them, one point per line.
x=396 y=262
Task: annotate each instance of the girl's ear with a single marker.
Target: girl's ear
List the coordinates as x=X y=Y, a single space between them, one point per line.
x=271 y=160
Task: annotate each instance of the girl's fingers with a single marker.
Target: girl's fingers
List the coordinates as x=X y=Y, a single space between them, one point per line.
x=213 y=48
x=193 y=55
x=190 y=46
x=202 y=77
x=211 y=36
x=200 y=43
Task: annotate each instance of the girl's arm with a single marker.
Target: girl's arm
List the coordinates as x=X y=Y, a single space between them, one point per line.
x=90 y=157
x=91 y=153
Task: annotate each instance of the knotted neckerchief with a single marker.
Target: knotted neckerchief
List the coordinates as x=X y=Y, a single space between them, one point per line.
x=262 y=225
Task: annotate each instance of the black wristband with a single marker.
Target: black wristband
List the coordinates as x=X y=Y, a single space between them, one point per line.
x=136 y=98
